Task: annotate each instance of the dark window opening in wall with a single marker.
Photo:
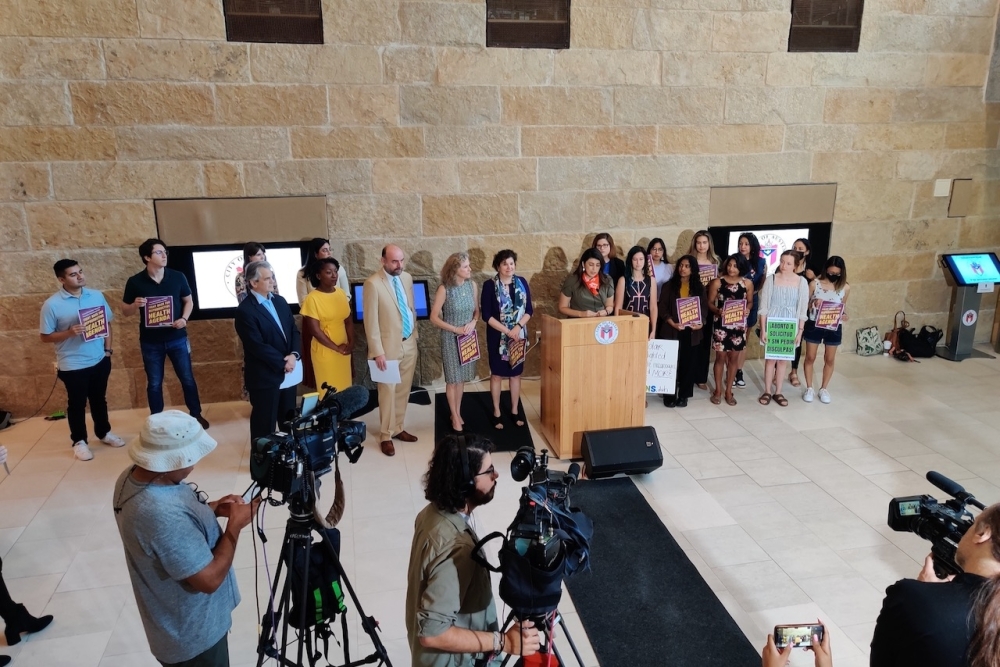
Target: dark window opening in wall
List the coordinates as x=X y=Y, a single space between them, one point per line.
x=274 y=21
x=825 y=25
x=527 y=24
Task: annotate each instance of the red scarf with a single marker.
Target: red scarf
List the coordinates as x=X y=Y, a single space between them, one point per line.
x=593 y=284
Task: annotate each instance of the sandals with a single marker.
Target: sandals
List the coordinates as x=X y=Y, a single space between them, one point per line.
x=702 y=385
x=497 y=422
x=780 y=400
x=517 y=419
x=715 y=398
x=793 y=379
x=765 y=399
x=730 y=399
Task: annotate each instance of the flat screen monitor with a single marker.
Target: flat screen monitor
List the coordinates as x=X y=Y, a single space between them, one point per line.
x=215 y=274
x=973 y=268
x=773 y=242
x=420 y=301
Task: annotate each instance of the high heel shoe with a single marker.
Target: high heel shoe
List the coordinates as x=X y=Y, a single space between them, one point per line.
x=4 y=660
x=22 y=621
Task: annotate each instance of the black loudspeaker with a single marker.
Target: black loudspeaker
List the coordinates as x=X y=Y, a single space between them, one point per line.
x=631 y=450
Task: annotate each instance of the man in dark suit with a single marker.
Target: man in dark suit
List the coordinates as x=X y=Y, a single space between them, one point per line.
x=271 y=346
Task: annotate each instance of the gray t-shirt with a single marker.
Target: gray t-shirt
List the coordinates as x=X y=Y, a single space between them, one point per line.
x=168 y=535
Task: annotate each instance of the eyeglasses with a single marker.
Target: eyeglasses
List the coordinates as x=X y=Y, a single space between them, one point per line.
x=162 y=253
x=489 y=471
x=199 y=494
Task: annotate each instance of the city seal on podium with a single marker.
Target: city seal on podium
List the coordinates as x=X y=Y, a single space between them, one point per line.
x=606 y=332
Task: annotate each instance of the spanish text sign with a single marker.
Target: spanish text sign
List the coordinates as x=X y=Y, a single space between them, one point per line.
x=780 y=341
x=661 y=366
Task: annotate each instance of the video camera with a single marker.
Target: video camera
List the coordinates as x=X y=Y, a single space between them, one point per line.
x=941 y=524
x=283 y=461
x=533 y=532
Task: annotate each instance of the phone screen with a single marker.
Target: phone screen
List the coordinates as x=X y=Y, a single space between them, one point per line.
x=251 y=493
x=796 y=635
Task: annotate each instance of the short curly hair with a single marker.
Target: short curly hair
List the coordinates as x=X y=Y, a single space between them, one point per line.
x=444 y=481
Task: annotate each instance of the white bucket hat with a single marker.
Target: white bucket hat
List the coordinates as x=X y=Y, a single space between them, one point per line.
x=169 y=441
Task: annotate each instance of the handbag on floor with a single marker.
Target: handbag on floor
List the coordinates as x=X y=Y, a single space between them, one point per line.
x=869 y=342
x=921 y=343
x=897 y=326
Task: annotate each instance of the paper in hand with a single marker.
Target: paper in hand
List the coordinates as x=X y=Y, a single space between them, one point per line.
x=389 y=376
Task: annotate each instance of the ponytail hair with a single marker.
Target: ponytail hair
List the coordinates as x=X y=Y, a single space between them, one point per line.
x=984 y=649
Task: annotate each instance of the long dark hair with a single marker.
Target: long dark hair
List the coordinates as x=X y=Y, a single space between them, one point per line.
x=984 y=649
x=647 y=269
x=695 y=288
x=754 y=245
x=742 y=265
x=445 y=482
x=657 y=240
x=313 y=249
x=836 y=262
x=250 y=249
x=591 y=253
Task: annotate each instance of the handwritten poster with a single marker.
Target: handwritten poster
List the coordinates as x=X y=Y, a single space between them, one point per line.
x=516 y=350
x=829 y=315
x=734 y=313
x=780 y=334
x=707 y=273
x=689 y=311
x=468 y=347
x=95 y=323
x=159 y=311
x=661 y=366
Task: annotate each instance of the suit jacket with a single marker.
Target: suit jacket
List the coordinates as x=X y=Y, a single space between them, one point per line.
x=264 y=346
x=383 y=323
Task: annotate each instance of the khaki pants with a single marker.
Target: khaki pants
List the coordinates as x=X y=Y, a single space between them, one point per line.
x=392 y=398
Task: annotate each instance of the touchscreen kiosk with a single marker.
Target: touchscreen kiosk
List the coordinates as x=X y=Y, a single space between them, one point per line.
x=970 y=275
x=420 y=302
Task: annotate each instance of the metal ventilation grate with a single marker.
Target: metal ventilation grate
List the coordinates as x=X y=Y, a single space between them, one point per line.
x=825 y=25
x=274 y=21
x=527 y=24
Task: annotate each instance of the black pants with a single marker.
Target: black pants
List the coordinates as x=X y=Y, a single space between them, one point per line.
x=687 y=359
x=266 y=407
x=6 y=604
x=87 y=384
x=217 y=656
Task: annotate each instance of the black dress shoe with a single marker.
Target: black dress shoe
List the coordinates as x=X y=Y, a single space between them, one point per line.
x=202 y=421
x=4 y=660
x=682 y=403
x=669 y=401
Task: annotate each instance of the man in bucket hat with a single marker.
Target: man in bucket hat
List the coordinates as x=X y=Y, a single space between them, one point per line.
x=179 y=559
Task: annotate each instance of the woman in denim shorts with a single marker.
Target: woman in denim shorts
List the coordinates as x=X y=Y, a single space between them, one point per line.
x=830 y=287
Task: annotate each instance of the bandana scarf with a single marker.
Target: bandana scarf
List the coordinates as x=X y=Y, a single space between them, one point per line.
x=593 y=284
x=511 y=312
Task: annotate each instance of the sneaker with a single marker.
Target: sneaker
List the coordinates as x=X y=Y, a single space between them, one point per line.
x=112 y=440
x=824 y=396
x=809 y=395
x=82 y=451
x=739 y=381
x=202 y=421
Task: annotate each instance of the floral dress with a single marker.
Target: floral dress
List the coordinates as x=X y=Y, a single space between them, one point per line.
x=733 y=337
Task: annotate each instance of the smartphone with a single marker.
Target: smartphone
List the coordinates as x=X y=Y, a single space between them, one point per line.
x=251 y=493
x=797 y=635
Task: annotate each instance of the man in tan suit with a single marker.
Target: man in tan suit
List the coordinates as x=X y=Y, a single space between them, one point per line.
x=391 y=328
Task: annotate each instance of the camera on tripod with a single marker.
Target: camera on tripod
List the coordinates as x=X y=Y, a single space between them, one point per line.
x=533 y=533
x=941 y=524
x=283 y=460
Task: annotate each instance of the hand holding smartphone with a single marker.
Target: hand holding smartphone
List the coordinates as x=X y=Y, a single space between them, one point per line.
x=251 y=493
x=799 y=635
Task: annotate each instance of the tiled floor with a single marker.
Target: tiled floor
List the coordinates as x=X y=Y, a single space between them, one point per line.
x=783 y=510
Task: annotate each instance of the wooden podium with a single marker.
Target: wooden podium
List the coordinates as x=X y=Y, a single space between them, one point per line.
x=593 y=378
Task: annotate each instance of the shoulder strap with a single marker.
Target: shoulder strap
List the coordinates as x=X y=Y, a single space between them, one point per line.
x=477 y=554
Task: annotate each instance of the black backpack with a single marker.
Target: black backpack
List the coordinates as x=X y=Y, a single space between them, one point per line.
x=325 y=598
x=922 y=343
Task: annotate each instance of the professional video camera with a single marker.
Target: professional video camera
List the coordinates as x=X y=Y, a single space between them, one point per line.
x=941 y=524
x=282 y=462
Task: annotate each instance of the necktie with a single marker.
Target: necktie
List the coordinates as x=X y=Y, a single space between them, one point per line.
x=404 y=308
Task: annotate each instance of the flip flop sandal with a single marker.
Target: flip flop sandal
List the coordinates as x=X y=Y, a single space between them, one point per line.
x=765 y=399
x=780 y=400
x=716 y=399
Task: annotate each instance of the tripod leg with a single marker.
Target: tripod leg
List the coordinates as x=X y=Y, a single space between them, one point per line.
x=268 y=633
x=569 y=638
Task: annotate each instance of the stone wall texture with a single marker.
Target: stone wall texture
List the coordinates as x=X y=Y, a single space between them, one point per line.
x=415 y=132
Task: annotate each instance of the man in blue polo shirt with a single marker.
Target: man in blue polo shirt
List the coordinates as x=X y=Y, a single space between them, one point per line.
x=163 y=325
x=78 y=321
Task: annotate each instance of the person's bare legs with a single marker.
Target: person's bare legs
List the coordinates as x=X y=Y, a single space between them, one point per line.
x=829 y=360
x=809 y=364
x=454 y=393
x=720 y=362
x=515 y=396
x=778 y=370
x=496 y=385
x=732 y=363
x=768 y=375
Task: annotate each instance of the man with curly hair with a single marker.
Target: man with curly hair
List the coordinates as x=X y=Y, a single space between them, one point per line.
x=450 y=616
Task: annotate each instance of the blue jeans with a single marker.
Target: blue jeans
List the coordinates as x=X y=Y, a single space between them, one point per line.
x=153 y=358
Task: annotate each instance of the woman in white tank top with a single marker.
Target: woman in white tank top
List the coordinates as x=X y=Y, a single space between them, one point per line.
x=829 y=291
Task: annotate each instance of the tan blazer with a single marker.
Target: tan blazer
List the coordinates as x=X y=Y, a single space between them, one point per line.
x=383 y=324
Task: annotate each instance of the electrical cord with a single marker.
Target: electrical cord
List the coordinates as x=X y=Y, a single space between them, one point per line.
x=44 y=403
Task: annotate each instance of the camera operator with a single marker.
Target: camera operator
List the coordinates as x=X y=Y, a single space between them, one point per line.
x=449 y=600
x=952 y=622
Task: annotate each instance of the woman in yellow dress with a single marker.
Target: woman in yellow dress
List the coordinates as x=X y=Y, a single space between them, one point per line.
x=326 y=316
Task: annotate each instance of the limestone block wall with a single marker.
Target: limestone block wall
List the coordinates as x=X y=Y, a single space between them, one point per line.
x=417 y=133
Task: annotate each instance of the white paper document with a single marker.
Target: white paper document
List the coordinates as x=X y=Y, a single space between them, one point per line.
x=389 y=376
x=293 y=378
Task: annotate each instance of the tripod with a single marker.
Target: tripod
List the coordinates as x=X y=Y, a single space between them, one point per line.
x=545 y=625
x=297 y=547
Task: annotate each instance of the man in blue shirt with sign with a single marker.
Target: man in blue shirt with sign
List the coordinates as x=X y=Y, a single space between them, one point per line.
x=78 y=321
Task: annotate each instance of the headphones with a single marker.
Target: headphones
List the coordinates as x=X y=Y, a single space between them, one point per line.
x=468 y=481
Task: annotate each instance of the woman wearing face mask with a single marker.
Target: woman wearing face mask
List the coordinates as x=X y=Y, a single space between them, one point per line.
x=636 y=291
x=656 y=254
x=252 y=252
x=749 y=248
x=611 y=264
x=707 y=269
x=831 y=286
x=785 y=295
x=588 y=292
x=683 y=284
x=804 y=269
x=506 y=307
x=729 y=339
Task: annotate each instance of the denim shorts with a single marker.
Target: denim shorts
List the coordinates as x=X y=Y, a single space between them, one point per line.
x=813 y=334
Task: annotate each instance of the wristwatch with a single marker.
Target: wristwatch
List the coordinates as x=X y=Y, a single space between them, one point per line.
x=108 y=351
